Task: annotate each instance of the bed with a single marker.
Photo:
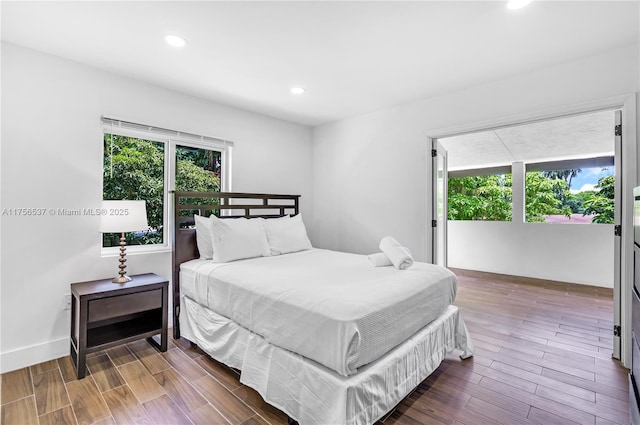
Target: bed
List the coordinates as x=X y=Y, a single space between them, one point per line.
x=321 y=335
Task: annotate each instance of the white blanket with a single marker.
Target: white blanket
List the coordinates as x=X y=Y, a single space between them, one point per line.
x=328 y=306
x=311 y=393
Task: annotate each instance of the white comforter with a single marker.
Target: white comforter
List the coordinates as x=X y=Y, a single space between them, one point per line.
x=327 y=306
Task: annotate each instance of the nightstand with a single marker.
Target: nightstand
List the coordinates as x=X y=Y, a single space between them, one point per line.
x=105 y=314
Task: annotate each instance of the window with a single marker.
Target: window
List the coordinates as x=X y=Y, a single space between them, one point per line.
x=571 y=192
x=142 y=162
x=198 y=169
x=134 y=169
x=480 y=197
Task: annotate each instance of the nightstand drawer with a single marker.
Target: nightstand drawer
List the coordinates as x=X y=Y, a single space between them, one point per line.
x=121 y=305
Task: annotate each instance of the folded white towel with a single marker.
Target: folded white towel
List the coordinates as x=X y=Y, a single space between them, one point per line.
x=379 y=259
x=399 y=255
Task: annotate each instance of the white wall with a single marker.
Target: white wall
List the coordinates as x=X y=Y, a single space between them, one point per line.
x=371 y=173
x=52 y=158
x=564 y=252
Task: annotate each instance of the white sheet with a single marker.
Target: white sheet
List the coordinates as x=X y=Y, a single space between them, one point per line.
x=313 y=394
x=328 y=306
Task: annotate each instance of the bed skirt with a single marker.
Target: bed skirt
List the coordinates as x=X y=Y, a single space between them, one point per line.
x=311 y=393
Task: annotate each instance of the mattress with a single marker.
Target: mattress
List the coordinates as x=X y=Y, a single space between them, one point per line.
x=313 y=394
x=330 y=307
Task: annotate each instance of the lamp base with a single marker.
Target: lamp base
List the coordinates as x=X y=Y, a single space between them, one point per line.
x=121 y=279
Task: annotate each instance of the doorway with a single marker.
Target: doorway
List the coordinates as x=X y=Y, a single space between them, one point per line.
x=538 y=199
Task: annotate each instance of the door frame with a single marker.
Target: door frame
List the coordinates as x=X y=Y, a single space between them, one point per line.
x=617 y=240
x=438 y=224
x=629 y=167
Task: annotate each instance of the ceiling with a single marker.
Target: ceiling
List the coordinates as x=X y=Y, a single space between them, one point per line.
x=351 y=57
x=573 y=137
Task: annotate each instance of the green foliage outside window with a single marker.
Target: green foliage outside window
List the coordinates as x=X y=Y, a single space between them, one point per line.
x=480 y=198
x=134 y=169
x=489 y=198
x=543 y=196
x=601 y=203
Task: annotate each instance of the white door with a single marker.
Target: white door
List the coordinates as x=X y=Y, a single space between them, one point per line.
x=439 y=204
x=617 y=241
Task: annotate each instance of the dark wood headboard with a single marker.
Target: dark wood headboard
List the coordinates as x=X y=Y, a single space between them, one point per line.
x=224 y=205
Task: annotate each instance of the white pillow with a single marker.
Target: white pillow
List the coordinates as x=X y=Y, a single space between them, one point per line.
x=203 y=237
x=238 y=238
x=286 y=234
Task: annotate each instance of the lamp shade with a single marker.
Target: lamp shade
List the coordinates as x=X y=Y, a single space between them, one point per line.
x=123 y=216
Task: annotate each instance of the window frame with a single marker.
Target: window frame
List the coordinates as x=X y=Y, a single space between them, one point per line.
x=170 y=139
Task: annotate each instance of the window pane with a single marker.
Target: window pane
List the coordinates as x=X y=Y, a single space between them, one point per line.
x=485 y=198
x=571 y=196
x=198 y=170
x=133 y=169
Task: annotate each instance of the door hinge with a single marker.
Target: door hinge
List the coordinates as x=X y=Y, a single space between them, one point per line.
x=177 y=311
x=618 y=130
x=434 y=153
x=616 y=330
x=434 y=223
x=617 y=230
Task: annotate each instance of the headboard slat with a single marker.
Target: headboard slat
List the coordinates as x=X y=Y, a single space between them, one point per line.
x=188 y=207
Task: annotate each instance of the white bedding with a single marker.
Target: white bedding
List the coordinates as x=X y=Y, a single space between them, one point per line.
x=313 y=394
x=327 y=306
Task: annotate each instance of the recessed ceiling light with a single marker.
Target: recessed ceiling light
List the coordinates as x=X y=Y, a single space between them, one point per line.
x=175 y=40
x=297 y=90
x=517 y=4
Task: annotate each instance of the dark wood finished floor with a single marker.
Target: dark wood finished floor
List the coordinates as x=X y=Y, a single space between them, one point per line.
x=543 y=357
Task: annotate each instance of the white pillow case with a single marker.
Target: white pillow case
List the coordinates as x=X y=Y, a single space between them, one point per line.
x=203 y=237
x=286 y=234
x=238 y=238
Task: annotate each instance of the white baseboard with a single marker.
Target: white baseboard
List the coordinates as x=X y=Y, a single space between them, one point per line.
x=34 y=354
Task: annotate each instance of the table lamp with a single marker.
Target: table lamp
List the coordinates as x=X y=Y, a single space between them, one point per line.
x=122 y=217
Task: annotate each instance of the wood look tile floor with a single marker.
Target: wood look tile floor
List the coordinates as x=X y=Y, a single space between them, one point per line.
x=543 y=357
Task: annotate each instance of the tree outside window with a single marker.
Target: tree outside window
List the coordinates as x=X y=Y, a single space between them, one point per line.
x=583 y=195
x=486 y=198
x=549 y=196
x=134 y=169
